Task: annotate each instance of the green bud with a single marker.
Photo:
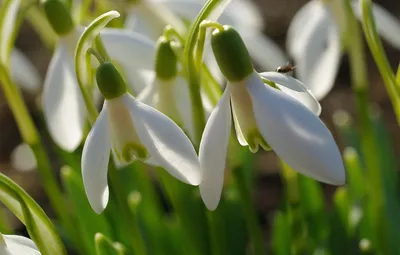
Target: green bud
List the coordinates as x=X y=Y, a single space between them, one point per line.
x=166 y=60
x=110 y=82
x=231 y=54
x=58 y=16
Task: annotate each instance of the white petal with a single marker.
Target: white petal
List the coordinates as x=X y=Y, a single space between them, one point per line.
x=295 y=89
x=165 y=141
x=263 y=50
x=24 y=72
x=317 y=53
x=95 y=157
x=7 y=28
x=18 y=245
x=213 y=150
x=132 y=52
x=297 y=135
x=148 y=94
x=322 y=74
x=63 y=105
x=387 y=25
x=301 y=24
x=183 y=102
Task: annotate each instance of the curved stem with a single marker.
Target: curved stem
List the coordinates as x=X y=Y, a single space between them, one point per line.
x=192 y=72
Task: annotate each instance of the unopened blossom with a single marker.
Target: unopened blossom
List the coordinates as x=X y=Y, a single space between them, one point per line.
x=240 y=14
x=168 y=92
x=263 y=116
x=314 y=40
x=63 y=105
x=17 y=245
x=132 y=130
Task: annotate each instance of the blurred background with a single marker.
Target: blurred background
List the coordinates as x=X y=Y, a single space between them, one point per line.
x=268 y=188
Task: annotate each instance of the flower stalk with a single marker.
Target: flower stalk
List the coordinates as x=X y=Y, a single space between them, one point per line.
x=375 y=45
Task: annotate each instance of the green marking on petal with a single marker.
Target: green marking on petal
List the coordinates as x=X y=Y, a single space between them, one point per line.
x=132 y=150
x=255 y=139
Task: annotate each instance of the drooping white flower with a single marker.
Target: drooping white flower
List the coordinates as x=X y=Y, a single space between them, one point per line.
x=17 y=245
x=240 y=14
x=132 y=130
x=314 y=42
x=264 y=116
x=63 y=104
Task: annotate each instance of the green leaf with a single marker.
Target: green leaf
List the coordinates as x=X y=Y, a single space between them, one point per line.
x=89 y=223
x=355 y=175
x=29 y=212
x=281 y=239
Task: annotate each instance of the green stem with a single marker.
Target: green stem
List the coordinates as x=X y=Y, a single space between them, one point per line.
x=30 y=135
x=217 y=233
x=375 y=45
x=192 y=71
x=242 y=182
x=355 y=49
x=137 y=242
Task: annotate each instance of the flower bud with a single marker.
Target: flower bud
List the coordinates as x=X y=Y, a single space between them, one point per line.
x=110 y=82
x=166 y=60
x=58 y=16
x=231 y=54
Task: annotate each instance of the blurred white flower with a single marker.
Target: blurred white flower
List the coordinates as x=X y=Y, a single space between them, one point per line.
x=314 y=42
x=267 y=116
x=133 y=130
x=17 y=245
x=239 y=14
x=63 y=105
x=24 y=72
x=22 y=158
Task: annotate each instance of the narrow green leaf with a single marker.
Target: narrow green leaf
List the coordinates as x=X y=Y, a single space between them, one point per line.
x=281 y=239
x=29 y=212
x=355 y=175
x=8 y=21
x=89 y=223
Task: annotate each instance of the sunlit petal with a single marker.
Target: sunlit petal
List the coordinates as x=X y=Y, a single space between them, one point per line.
x=387 y=25
x=149 y=94
x=132 y=52
x=63 y=105
x=302 y=24
x=24 y=72
x=95 y=158
x=295 y=89
x=165 y=141
x=17 y=245
x=297 y=135
x=213 y=150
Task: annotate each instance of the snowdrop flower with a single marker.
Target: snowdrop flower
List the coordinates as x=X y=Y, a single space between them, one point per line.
x=239 y=14
x=63 y=105
x=314 y=41
x=168 y=92
x=263 y=116
x=17 y=245
x=132 y=130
